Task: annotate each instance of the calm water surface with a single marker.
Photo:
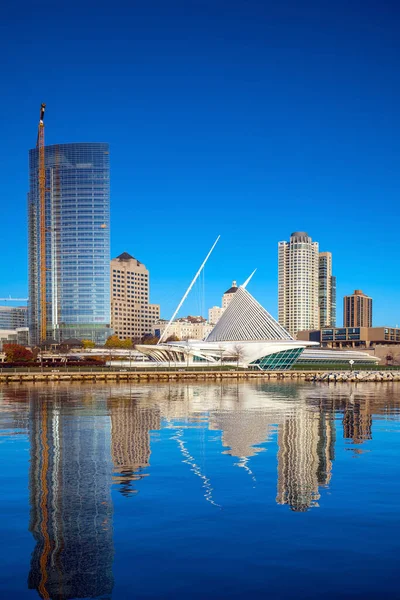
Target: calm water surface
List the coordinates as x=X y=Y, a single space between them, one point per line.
x=200 y=491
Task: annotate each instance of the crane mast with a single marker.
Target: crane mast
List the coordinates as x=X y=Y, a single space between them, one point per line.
x=42 y=223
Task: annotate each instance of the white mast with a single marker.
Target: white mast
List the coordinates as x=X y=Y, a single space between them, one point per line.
x=248 y=279
x=188 y=290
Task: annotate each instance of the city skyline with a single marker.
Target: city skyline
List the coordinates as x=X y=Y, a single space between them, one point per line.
x=200 y=120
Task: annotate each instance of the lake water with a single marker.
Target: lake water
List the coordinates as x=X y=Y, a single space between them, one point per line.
x=200 y=491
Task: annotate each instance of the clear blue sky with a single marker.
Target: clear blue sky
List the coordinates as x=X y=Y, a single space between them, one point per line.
x=251 y=119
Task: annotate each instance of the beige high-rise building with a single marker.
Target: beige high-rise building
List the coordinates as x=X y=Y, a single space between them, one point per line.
x=132 y=315
x=216 y=312
x=357 y=310
x=298 y=269
x=326 y=291
x=227 y=297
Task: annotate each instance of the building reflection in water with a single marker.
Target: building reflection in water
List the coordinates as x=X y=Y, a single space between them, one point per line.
x=130 y=440
x=82 y=439
x=306 y=451
x=71 y=509
x=357 y=421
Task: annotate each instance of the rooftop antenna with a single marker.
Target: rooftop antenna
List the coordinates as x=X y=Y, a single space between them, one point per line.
x=188 y=290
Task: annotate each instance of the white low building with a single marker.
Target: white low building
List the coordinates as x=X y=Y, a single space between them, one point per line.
x=246 y=335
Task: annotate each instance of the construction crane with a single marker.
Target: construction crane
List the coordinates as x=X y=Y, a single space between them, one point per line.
x=42 y=223
x=9 y=299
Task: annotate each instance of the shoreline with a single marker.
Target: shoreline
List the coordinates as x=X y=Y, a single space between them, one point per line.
x=180 y=376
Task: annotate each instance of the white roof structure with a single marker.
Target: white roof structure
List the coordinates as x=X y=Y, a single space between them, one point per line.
x=246 y=333
x=246 y=320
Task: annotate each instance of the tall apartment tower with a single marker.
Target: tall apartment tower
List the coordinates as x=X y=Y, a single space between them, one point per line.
x=298 y=271
x=132 y=316
x=77 y=242
x=326 y=291
x=357 y=310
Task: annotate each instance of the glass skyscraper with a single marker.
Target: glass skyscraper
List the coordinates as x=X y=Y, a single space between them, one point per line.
x=77 y=238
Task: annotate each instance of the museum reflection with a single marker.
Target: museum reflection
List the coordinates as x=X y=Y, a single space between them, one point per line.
x=87 y=441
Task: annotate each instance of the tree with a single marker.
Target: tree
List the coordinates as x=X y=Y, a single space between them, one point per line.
x=88 y=344
x=113 y=342
x=17 y=353
x=172 y=338
x=150 y=340
x=238 y=354
x=127 y=344
x=221 y=351
x=389 y=358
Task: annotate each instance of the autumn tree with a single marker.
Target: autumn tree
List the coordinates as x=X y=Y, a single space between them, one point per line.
x=127 y=344
x=150 y=340
x=113 y=342
x=17 y=353
x=172 y=338
x=88 y=344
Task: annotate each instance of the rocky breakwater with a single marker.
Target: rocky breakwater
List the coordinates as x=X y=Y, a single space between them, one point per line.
x=355 y=376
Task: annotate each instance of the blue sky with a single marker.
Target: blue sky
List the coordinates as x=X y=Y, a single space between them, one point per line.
x=249 y=119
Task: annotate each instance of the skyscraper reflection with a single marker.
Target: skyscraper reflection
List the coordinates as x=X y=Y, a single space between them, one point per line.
x=130 y=440
x=71 y=508
x=83 y=438
x=357 y=421
x=306 y=451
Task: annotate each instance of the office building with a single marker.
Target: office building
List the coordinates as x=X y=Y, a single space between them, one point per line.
x=354 y=337
x=76 y=278
x=20 y=335
x=357 y=310
x=326 y=291
x=132 y=315
x=298 y=294
x=12 y=317
x=214 y=314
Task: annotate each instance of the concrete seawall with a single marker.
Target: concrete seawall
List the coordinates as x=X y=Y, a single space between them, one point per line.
x=146 y=376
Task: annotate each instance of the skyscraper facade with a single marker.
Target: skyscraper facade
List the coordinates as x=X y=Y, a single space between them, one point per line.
x=132 y=315
x=326 y=291
x=298 y=272
x=77 y=243
x=357 y=310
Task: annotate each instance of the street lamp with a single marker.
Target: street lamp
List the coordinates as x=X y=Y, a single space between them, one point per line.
x=351 y=361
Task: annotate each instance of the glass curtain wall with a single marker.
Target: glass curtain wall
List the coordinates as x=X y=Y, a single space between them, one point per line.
x=77 y=241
